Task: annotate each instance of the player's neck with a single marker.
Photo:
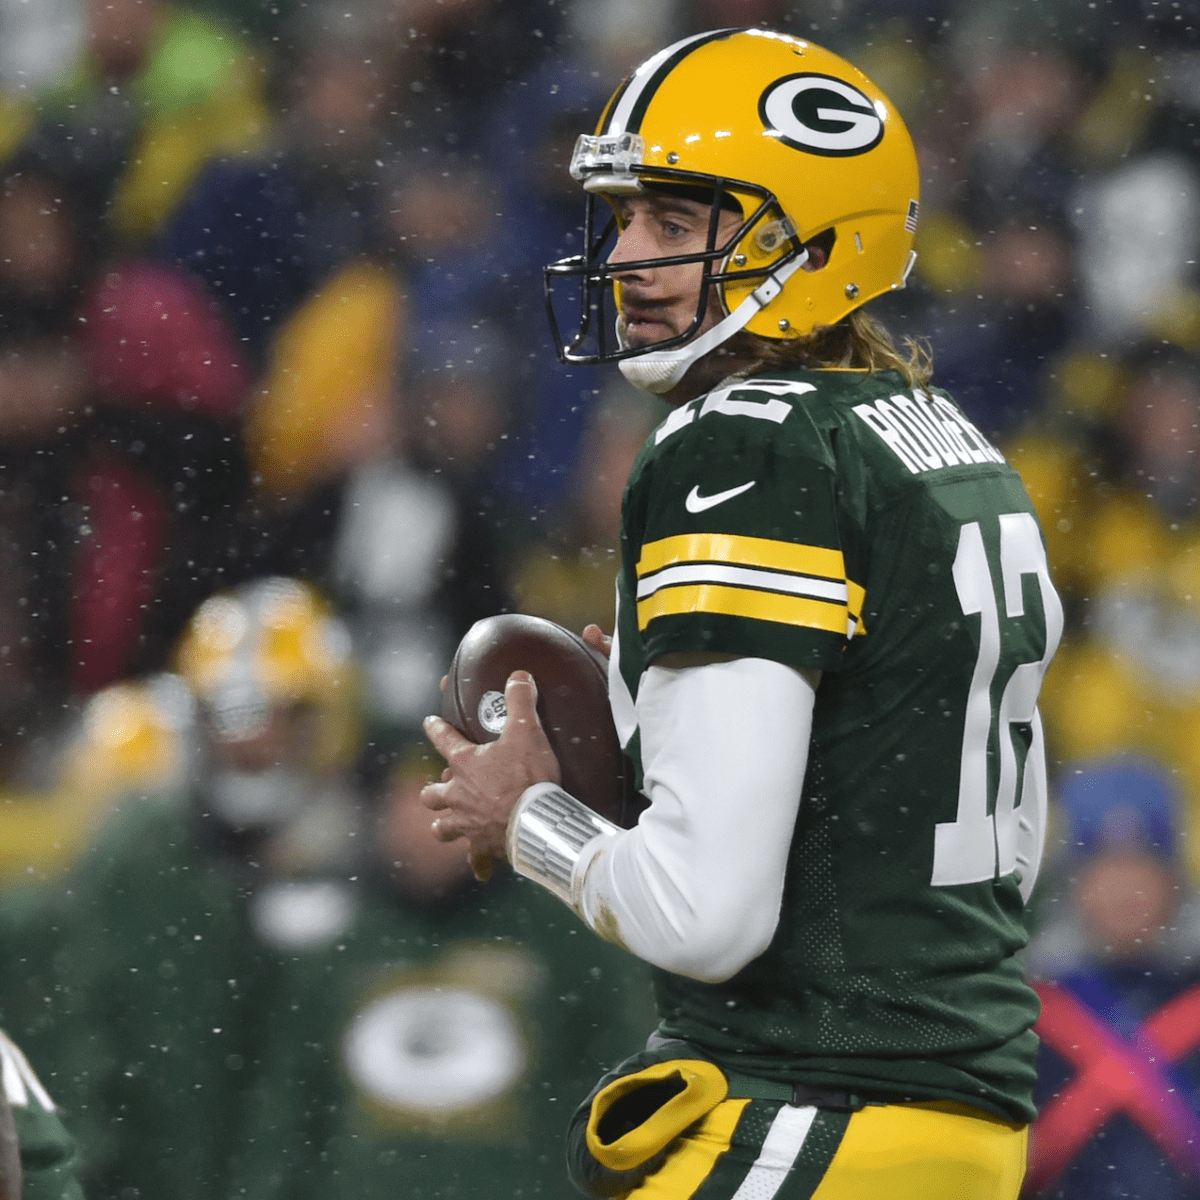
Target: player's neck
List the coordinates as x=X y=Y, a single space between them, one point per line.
x=709 y=372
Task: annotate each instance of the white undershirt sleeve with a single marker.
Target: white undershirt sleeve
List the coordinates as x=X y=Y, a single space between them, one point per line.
x=696 y=886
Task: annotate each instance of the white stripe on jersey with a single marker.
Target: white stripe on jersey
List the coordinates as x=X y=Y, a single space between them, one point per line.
x=774 y=581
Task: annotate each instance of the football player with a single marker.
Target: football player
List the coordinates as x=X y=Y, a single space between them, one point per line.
x=834 y=614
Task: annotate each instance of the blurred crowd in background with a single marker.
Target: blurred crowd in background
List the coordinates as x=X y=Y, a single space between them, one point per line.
x=280 y=418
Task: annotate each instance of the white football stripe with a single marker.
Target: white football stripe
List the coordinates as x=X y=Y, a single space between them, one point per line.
x=798 y=585
x=641 y=77
x=783 y=1143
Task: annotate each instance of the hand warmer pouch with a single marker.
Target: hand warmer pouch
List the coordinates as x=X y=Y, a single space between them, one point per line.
x=622 y=1132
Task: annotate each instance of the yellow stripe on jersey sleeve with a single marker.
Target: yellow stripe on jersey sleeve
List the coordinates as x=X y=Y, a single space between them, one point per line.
x=857 y=597
x=743 y=602
x=745 y=551
x=786 y=572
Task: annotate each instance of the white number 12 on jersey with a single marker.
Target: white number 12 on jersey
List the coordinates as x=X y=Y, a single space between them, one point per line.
x=978 y=845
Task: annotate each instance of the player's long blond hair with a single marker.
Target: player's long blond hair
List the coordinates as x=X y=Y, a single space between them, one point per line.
x=858 y=341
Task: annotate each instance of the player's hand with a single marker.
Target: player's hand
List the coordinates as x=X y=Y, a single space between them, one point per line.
x=481 y=784
x=599 y=641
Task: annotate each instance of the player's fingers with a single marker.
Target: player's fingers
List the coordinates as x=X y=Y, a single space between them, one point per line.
x=595 y=637
x=445 y=680
x=433 y=795
x=445 y=829
x=481 y=864
x=520 y=698
x=445 y=738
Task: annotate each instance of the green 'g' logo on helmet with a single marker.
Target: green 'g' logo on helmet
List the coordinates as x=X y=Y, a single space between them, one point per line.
x=820 y=114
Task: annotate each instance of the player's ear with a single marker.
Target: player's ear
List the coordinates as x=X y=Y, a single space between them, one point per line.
x=819 y=249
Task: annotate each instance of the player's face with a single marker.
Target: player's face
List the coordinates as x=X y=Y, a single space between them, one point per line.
x=660 y=302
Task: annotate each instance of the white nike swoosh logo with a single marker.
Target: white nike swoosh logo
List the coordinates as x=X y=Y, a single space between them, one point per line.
x=696 y=503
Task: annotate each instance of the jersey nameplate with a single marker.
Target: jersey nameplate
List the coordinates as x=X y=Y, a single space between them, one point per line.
x=927 y=433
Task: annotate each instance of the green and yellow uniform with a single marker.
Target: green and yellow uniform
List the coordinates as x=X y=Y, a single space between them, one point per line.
x=842 y=522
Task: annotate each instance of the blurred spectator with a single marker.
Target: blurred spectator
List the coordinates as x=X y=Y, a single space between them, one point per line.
x=995 y=276
x=375 y=478
x=441 y=226
x=1129 y=678
x=45 y=264
x=123 y=394
x=456 y=59
x=1003 y=310
x=1119 y=1069
x=532 y=140
x=153 y=92
x=160 y=473
x=568 y=573
x=1131 y=295
x=616 y=35
x=264 y=231
x=419 y=545
x=325 y=401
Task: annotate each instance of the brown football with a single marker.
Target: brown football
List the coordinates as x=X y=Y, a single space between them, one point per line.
x=572 y=683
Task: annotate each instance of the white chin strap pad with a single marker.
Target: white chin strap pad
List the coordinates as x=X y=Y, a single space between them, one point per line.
x=659 y=371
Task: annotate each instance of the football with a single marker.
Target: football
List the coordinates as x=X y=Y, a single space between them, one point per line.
x=572 y=683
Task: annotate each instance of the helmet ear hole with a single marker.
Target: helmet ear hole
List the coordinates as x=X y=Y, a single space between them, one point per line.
x=819 y=249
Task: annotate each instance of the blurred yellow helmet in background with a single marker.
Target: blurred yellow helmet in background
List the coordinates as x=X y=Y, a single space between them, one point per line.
x=270 y=645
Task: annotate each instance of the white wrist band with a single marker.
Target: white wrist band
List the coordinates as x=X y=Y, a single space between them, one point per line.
x=547 y=832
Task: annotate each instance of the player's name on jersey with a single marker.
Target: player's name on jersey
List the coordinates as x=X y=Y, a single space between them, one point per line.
x=927 y=433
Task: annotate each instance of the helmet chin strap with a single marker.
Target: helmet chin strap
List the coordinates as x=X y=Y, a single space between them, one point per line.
x=659 y=371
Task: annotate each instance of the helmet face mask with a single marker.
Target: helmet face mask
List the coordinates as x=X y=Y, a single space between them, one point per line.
x=803 y=141
x=595 y=306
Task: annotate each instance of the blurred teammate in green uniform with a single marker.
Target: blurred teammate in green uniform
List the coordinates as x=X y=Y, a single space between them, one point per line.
x=461 y=1026
x=834 y=614
x=270 y=986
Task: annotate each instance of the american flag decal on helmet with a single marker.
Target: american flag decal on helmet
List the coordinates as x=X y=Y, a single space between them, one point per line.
x=910 y=222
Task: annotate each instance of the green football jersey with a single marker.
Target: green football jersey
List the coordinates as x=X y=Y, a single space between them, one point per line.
x=842 y=522
x=453 y=1042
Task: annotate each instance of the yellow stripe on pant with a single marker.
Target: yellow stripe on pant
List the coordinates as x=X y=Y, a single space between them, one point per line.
x=926 y=1152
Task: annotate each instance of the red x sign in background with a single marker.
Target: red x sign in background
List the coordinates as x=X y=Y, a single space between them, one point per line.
x=1115 y=1076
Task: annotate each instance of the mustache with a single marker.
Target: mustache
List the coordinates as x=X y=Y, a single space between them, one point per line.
x=633 y=307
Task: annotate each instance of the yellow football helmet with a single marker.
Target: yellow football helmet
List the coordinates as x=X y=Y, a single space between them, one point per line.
x=269 y=645
x=809 y=148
